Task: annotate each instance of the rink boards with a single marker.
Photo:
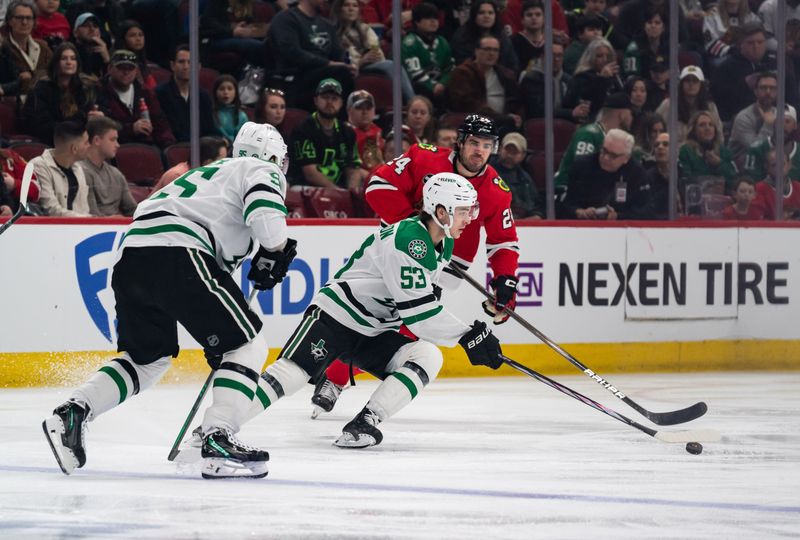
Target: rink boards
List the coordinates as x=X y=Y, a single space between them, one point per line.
x=621 y=298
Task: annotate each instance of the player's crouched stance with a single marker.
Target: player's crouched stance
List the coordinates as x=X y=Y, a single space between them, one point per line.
x=388 y=281
x=174 y=267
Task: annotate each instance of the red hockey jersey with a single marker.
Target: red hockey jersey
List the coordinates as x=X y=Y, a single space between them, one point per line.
x=395 y=191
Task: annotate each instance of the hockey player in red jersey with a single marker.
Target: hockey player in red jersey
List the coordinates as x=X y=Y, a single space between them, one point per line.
x=395 y=192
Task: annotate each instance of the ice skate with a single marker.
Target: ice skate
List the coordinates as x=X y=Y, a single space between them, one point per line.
x=190 y=448
x=225 y=456
x=361 y=431
x=65 y=432
x=325 y=396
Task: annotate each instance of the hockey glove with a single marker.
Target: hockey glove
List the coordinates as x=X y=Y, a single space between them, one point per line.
x=483 y=348
x=505 y=294
x=269 y=267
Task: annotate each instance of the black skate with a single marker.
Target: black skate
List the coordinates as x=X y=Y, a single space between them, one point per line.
x=227 y=457
x=66 y=431
x=325 y=396
x=361 y=431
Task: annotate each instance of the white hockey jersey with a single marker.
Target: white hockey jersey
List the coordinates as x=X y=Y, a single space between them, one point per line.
x=212 y=208
x=389 y=281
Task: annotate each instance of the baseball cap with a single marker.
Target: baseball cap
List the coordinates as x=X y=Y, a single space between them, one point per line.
x=515 y=139
x=329 y=86
x=693 y=71
x=618 y=100
x=359 y=98
x=83 y=17
x=122 y=56
x=791 y=112
x=660 y=65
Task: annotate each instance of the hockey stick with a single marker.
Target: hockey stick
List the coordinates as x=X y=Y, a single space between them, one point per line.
x=661 y=418
x=27 y=177
x=695 y=435
x=174 y=451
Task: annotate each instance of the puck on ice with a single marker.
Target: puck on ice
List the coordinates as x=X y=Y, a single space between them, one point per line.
x=694 y=448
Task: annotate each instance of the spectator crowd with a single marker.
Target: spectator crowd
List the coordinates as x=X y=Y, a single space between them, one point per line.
x=95 y=93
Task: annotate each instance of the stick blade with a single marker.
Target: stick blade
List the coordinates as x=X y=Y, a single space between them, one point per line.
x=674 y=417
x=692 y=435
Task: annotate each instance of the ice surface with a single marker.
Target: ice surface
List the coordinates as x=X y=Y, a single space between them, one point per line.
x=469 y=458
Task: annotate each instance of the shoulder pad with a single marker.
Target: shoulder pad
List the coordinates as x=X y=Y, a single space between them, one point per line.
x=413 y=240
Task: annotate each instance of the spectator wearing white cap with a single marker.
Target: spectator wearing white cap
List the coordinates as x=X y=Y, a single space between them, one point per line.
x=755 y=161
x=93 y=51
x=756 y=122
x=693 y=96
x=525 y=202
x=360 y=114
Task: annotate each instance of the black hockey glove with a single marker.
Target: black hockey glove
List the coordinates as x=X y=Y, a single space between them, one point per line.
x=269 y=267
x=483 y=348
x=505 y=293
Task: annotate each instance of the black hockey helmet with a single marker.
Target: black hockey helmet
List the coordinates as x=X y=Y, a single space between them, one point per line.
x=479 y=126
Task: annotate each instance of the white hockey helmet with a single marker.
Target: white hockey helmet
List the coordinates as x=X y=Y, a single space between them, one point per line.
x=451 y=191
x=262 y=141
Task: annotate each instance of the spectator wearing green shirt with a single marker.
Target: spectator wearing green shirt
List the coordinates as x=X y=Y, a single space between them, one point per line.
x=587 y=140
x=587 y=29
x=755 y=161
x=426 y=55
x=649 y=46
x=704 y=155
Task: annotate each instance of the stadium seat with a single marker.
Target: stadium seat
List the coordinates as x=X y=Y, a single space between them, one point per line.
x=535 y=134
x=28 y=149
x=140 y=163
x=379 y=86
x=451 y=119
x=207 y=77
x=229 y=62
x=139 y=193
x=262 y=12
x=535 y=165
x=330 y=203
x=8 y=119
x=177 y=153
x=159 y=73
x=296 y=202
x=291 y=120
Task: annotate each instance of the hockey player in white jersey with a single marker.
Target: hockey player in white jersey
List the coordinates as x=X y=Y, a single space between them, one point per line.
x=174 y=266
x=387 y=282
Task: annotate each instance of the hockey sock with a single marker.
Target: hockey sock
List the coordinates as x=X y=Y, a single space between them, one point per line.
x=339 y=372
x=411 y=369
x=282 y=378
x=118 y=380
x=234 y=385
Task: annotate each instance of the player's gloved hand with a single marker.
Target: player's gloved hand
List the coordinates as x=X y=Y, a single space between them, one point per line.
x=483 y=348
x=214 y=360
x=269 y=267
x=505 y=294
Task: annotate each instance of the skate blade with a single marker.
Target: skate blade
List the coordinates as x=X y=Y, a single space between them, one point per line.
x=316 y=412
x=347 y=440
x=188 y=455
x=53 y=429
x=217 y=468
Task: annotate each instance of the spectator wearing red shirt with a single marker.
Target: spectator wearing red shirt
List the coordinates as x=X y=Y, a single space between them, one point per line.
x=13 y=166
x=51 y=27
x=360 y=114
x=765 y=190
x=742 y=207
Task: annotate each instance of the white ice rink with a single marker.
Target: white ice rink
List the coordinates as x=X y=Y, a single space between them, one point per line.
x=469 y=458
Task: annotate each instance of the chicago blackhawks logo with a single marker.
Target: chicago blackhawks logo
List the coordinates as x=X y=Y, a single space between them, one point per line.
x=417 y=249
x=501 y=183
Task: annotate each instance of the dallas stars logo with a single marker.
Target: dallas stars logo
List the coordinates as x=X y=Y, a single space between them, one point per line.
x=318 y=350
x=417 y=249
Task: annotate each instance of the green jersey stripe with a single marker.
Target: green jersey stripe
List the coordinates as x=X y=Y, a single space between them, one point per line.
x=357 y=255
x=223 y=295
x=262 y=397
x=300 y=335
x=407 y=382
x=170 y=227
x=261 y=203
x=422 y=316
x=355 y=316
x=221 y=382
x=117 y=378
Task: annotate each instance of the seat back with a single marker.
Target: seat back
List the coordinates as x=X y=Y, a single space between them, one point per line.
x=452 y=120
x=177 y=153
x=535 y=134
x=330 y=203
x=140 y=163
x=140 y=193
x=290 y=121
x=296 y=202
x=206 y=79
x=8 y=118
x=28 y=149
x=379 y=86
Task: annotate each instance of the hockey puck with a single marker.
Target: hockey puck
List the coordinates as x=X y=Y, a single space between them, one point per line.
x=694 y=448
